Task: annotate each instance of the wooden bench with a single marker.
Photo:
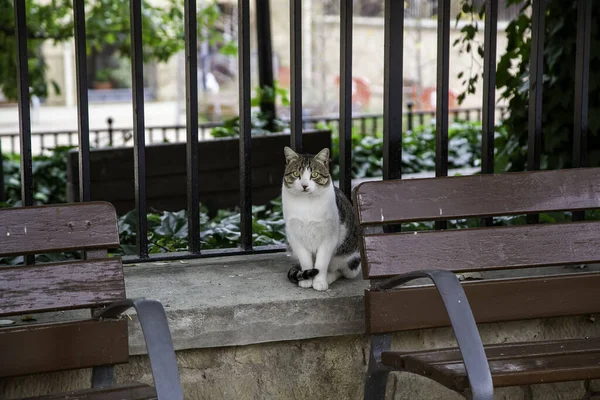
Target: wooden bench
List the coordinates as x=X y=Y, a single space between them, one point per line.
x=96 y=283
x=473 y=369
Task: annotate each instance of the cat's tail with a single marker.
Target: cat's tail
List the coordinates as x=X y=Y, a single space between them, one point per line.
x=295 y=274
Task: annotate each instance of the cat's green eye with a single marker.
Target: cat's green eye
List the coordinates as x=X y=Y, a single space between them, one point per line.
x=296 y=174
x=314 y=174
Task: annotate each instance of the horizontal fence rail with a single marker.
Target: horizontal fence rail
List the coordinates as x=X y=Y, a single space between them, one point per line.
x=365 y=124
x=392 y=125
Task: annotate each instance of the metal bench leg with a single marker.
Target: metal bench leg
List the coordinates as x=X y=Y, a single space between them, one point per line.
x=377 y=374
x=103 y=376
x=159 y=343
x=590 y=394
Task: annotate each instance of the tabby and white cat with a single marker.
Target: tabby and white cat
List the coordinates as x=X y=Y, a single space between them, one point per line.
x=320 y=226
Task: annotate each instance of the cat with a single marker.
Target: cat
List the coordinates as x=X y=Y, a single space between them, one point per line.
x=320 y=226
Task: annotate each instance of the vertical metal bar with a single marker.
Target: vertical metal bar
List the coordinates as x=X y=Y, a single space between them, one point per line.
x=296 y=74
x=2 y=195
x=191 y=94
x=139 y=131
x=245 y=127
x=536 y=85
x=489 y=92
x=443 y=64
x=489 y=86
x=421 y=118
x=345 y=130
x=13 y=145
x=374 y=126
x=582 y=79
x=109 y=122
x=392 y=98
x=82 y=101
x=265 y=57
x=24 y=111
x=442 y=88
x=410 y=115
x=56 y=140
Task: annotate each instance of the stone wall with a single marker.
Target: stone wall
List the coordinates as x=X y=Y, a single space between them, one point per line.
x=323 y=368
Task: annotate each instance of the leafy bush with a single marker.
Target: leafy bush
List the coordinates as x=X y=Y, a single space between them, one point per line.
x=261 y=123
x=418 y=150
x=558 y=84
x=49 y=177
x=167 y=231
x=258 y=122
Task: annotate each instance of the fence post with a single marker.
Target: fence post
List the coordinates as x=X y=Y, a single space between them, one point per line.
x=2 y=198
x=109 y=121
x=409 y=105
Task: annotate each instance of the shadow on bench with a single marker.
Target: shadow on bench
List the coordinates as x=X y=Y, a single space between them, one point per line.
x=473 y=369
x=96 y=284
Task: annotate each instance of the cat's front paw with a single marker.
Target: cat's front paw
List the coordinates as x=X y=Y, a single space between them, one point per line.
x=320 y=285
x=306 y=283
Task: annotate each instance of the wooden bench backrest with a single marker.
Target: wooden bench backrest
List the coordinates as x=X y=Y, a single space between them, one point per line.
x=385 y=255
x=28 y=289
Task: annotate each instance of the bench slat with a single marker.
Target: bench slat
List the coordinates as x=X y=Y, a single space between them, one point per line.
x=510 y=350
x=412 y=200
x=65 y=227
x=60 y=286
x=491 y=301
x=481 y=249
x=565 y=360
x=525 y=371
x=62 y=346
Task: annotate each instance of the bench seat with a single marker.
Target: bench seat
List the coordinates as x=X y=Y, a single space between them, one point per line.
x=511 y=364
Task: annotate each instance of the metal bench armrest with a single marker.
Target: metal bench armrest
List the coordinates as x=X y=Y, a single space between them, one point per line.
x=464 y=326
x=159 y=343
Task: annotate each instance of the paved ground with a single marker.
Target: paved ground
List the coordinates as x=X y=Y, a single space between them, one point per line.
x=49 y=118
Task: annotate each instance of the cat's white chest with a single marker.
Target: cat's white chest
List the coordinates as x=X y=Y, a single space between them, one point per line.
x=311 y=221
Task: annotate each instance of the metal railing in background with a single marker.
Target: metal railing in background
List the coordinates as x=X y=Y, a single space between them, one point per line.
x=365 y=124
x=419 y=9
x=393 y=118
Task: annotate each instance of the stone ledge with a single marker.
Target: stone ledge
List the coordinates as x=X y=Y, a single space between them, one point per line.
x=233 y=301
x=242 y=300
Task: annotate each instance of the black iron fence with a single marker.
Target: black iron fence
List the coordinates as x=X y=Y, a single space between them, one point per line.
x=393 y=119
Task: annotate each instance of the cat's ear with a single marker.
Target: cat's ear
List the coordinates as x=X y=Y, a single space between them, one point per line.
x=323 y=156
x=290 y=154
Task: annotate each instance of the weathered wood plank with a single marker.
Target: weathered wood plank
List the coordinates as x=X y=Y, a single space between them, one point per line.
x=60 y=286
x=55 y=347
x=481 y=249
x=477 y=196
x=527 y=371
x=555 y=366
x=65 y=227
x=504 y=351
x=491 y=301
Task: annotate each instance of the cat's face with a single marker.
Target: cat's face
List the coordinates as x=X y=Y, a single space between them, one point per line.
x=305 y=173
